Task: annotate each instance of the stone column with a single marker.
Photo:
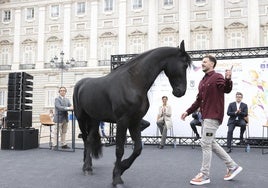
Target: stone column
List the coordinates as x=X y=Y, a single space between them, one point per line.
x=217 y=24
x=122 y=44
x=41 y=38
x=67 y=31
x=253 y=24
x=153 y=24
x=93 y=34
x=184 y=23
x=17 y=42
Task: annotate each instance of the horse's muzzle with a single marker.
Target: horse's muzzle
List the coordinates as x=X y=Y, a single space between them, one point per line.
x=178 y=92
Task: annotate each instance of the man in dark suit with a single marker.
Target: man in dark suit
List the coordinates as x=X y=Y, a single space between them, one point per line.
x=197 y=121
x=237 y=111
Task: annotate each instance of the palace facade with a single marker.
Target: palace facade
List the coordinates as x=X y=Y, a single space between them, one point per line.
x=34 y=33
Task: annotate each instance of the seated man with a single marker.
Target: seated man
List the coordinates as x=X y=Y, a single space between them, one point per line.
x=237 y=111
x=197 y=121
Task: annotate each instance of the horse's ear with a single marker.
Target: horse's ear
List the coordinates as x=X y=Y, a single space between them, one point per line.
x=182 y=46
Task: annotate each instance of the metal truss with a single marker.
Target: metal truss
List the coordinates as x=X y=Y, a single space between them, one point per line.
x=118 y=60
x=231 y=53
x=188 y=141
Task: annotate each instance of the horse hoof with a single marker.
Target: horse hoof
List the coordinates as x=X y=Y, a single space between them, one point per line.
x=119 y=186
x=88 y=173
x=118 y=182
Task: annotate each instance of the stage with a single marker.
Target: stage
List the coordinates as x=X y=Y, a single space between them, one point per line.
x=170 y=168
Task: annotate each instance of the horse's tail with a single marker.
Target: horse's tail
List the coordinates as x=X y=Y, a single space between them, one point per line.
x=89 y=128
x=76 y=104
x=95 y=142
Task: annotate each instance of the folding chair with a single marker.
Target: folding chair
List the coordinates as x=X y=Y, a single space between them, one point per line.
x=247 y=127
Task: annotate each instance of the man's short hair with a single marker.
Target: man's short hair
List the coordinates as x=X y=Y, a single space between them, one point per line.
x=212 y=58
x=239 y=93
x=62 y=87
x=164 y=97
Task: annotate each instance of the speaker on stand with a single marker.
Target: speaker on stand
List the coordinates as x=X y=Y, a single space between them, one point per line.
x=19 y=134
x=19 y=106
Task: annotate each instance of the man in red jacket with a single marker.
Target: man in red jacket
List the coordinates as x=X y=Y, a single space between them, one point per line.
x=210 y=100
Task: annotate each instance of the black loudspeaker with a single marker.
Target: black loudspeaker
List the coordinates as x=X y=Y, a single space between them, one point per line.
x=19 y=104
x=19 y=139
x=19 y=119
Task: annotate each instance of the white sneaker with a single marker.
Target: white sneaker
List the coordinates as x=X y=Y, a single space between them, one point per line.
x=200 y=179
x=231 y=173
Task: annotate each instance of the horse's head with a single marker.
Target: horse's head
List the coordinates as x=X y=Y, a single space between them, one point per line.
x=175 y=70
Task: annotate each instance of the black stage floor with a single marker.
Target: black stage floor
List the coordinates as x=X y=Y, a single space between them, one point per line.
x=155 y=168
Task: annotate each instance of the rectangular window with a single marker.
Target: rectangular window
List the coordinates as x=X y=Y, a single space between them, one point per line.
x=168 y=2
x=28 y=55
x=3 y=97
x=81 y=8
x=108 y=5
x=201 y=41
x=201 y=15
x=235 y=13
x=236 y=40
x=168 y=41
x=200 y=1
x=136 y=4
x=53 y=50
x=29 y=13
x=4 y=57
x=136 y=45
x=6 y=16
x=55 y=11
x=107 y=50
x=137 y=21
x=80 y=52
x=50 y=97
x=168 y=19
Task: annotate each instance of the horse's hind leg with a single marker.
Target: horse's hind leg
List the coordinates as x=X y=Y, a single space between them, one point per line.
x=87 y=166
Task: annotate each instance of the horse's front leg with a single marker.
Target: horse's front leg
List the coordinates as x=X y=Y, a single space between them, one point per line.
x=87 y=166
x=120 y=141
x=135 y=134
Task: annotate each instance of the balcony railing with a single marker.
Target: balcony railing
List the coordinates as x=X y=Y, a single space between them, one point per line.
x=80 y=64
x=104 y=63
x=5 y=67
x=27 y=66
x=76 y=64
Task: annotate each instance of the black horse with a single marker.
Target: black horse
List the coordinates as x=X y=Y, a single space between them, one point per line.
x=121 y=97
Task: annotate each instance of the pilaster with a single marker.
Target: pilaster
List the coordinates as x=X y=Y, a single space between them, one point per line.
x=41 y=38
x=184 y=22
x=217 y=24
x=122 y=27
x=253 y=24
x=17 y=33
x=93 y=34
x=153 y=24
x=67 y=31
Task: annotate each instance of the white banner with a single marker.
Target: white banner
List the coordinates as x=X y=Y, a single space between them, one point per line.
x=250 y=76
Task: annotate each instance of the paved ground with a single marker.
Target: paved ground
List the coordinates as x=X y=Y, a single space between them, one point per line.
x=167 y=168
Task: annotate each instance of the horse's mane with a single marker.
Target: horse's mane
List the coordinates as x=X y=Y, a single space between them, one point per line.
x=155 y=53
